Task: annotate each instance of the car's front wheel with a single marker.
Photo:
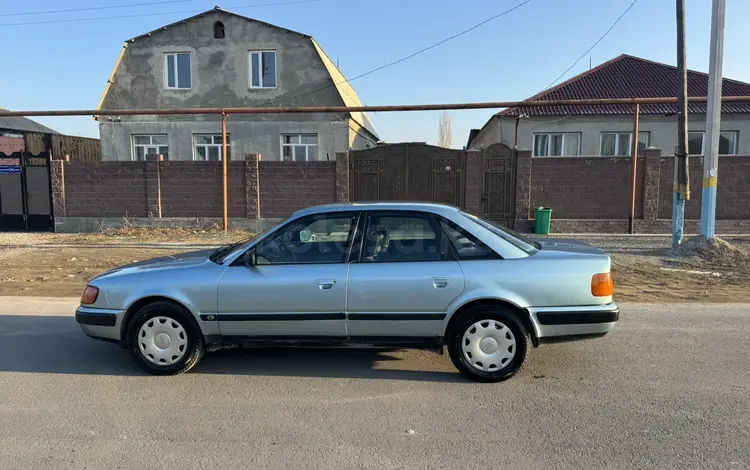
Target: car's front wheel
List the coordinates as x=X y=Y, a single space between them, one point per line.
x=163 y=341
x=488 y=344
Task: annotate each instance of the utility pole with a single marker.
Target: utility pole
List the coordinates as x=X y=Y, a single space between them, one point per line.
x=713 y=120
x=681 y=177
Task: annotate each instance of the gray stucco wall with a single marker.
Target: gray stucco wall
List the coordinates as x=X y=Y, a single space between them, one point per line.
x=220 y=78
x=663 y=130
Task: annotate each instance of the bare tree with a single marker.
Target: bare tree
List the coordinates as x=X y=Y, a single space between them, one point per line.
x=445 y=135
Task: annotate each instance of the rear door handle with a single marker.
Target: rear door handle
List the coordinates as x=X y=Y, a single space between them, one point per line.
x=326 y=284
x=440 y=282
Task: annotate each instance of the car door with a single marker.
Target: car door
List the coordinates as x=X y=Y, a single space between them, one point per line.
x=297 y=285
x=404 y=278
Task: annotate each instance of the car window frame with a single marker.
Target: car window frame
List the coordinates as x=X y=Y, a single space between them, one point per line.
x=474 y=239
x=443 y=242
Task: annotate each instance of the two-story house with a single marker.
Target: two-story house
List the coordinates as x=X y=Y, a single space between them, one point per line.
x=219 y=59
x=590 y=130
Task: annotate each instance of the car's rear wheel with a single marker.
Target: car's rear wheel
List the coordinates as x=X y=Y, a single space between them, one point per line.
x=488 y=343
x=163 y=341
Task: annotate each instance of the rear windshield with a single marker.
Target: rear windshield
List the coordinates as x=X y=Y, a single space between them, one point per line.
x=521 y=242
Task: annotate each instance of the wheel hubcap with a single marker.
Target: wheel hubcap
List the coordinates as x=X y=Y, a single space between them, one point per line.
x=488 y=345
x=162 y=341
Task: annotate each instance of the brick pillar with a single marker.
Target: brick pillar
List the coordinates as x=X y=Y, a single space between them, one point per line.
x=473 y=186
x=523 y=186
x=252 y=186
x=59 y=207
x=342 y=177
x=153 y=187
x=651 y=183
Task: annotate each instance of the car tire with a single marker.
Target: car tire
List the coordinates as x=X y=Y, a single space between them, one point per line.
x=163 y=340
x=488 y=343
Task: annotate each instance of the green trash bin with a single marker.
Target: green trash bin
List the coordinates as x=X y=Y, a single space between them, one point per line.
x=542 y=220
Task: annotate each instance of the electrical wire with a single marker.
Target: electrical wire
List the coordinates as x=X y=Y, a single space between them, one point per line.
x=108 y=7
x=139 y=15
x=593 y=45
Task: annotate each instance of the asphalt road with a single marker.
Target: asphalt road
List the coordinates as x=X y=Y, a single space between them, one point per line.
x=669 y=388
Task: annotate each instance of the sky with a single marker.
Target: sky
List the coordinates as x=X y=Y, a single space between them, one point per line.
x=66 y=64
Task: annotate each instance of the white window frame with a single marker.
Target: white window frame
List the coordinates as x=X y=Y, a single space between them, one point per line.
x=703 y=141
x=213 y=144
x=617 y=142
x=307 y=151
x=176 y=71
x=260 y=71
x=549 y=143
x=151 y=144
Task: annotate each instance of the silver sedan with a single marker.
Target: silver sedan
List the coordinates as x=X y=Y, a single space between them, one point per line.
x=385 y=274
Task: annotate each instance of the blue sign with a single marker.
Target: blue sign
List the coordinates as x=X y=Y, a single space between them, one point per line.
x=9 y=169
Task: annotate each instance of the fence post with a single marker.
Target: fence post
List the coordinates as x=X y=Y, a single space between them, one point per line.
x=153 y=187
x=59 y=207
x=342 y=177
x=252 y=186
x=473 y=182
x=523 y=189
x=651 y=183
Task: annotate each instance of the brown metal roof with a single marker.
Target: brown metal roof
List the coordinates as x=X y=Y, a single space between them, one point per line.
x=626 y=76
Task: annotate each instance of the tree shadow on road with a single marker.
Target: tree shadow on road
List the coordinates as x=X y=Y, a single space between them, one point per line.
x=55 y=344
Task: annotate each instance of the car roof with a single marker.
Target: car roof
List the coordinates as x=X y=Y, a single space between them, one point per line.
x=382 y=206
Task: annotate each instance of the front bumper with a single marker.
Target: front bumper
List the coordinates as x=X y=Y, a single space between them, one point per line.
x=556 y=324
x=100 y=323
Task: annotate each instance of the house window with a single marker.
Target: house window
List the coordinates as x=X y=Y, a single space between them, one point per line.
x=219 y=30
x=149 y=147
x=263 y=69
x=549 y=145
x=177 y=72
x=727 y=143
x=617 y=144
x=299 y=147
x=208 y=147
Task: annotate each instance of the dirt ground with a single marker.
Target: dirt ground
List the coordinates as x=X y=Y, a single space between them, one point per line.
x=56 y=265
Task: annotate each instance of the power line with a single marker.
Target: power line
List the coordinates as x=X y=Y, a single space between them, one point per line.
x=593 y=45
x=139 y=15
x=108 y=7
x=403 y=58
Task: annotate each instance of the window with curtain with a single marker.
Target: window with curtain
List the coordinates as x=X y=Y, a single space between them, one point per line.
x=616 y=144
x=557 y=144
x=727 y=143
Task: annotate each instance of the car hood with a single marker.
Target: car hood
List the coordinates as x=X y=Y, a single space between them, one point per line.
x=164 y=262
x=568 y=246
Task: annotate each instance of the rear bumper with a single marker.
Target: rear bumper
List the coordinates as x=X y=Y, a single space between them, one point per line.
x=100 y=323
x=559 y=324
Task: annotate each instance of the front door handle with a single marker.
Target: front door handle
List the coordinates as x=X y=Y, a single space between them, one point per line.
x=440 y=282
x=326 y=284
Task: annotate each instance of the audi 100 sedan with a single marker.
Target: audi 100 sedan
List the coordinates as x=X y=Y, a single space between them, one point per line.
x=407 y=275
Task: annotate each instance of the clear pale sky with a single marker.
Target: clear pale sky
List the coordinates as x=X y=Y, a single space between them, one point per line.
x=66 y=65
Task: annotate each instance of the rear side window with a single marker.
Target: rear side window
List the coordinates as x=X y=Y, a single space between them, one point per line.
x=402 y=238
x=466 y=245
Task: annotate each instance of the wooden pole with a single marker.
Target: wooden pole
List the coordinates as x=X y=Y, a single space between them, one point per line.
x=224 y=158
x=682 y=181
x=636 y=118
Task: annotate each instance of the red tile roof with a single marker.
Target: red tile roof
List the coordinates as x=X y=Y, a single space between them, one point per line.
x=626 y=76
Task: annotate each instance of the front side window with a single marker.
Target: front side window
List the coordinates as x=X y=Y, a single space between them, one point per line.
x=177 y=73
x=262 y=69
x=618 y=144
x=316 y=239
x=400 y=238
x=727 y=143
x=208 y=147
x=557 y=144
x=149 y=147
x=299 y=147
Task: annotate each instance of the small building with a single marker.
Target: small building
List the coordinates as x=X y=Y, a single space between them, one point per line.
x=13 y=129
x=219 y=59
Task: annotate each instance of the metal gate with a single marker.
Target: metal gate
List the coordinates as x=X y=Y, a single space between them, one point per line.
x=407 y=172
x=499 y=184
x=25 y=193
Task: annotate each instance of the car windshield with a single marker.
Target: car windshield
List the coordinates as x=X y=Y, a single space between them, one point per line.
x=514 y=238
x=221 y=253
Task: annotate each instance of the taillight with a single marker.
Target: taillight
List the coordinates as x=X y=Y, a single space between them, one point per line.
x=601 y=285
x=89 y=295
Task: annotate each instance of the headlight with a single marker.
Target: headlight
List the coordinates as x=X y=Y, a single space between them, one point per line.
x=89 y=295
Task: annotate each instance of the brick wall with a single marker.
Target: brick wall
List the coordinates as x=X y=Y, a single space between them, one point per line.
x=105 y=189
x=194 y=189
x=586 y=187
x=286 y=187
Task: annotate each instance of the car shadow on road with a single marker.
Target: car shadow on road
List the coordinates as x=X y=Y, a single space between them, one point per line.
x=55 y=344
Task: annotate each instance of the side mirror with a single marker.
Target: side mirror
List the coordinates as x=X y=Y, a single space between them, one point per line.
x=251 y=259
